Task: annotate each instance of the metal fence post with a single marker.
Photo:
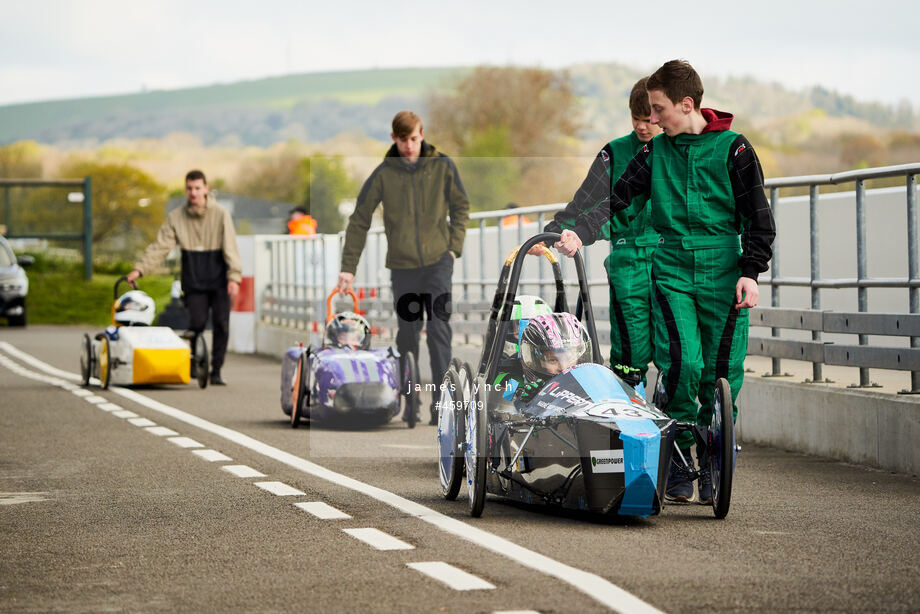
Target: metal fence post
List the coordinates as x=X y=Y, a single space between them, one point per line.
x=777 y=368
x=87 y=227
x=912 y=264
x=816 y=367
x=861 y=270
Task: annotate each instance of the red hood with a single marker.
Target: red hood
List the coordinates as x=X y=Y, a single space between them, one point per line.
x=716 y=121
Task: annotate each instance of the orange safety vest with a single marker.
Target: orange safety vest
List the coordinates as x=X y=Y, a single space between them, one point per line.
x=512 y=220
x=304 y=225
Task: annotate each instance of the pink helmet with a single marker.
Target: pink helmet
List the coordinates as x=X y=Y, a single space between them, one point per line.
x=552 y=343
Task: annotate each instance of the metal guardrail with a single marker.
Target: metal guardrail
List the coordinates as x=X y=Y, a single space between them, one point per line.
x=296 y=299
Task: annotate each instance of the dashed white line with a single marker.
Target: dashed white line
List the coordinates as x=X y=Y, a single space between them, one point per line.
x=161 y=431
x=243 y=471
x=211 y=455
x=124 y=413
x=322 y=510
x=517 y=612
x=185 y=442
x=279 y=488
x=598 y=588
x=81 y=392
x=95 y=399
x=142 y=422
x=375 y=538
x=109 y=407
x=453 y=577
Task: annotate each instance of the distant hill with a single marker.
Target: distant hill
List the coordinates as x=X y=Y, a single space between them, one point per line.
x=318 y=106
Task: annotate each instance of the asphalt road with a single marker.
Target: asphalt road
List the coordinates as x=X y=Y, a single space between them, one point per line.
x=102 y=512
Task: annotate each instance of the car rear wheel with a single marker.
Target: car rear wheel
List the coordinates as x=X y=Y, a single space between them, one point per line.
x=721 y=448
x=411 y=389
x=86 y=360
x=19 y=320
x=105 y=363
x=300 y=392
x=200 y=360
x=477 y=454
x=450 y=450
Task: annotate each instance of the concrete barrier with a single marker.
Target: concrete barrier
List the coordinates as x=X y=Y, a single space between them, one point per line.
x=870 y=428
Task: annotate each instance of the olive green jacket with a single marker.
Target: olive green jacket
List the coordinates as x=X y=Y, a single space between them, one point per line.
x=417 y=200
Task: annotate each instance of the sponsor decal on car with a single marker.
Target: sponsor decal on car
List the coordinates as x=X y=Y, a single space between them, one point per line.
x=607 y=461
x=556 y=391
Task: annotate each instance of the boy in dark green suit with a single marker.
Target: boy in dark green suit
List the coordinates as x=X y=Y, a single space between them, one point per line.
x=632 y=243
x=707 y=200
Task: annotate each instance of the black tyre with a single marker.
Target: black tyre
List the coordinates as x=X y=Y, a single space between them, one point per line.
x=105 y=363
x=86 y=360
x=410 y=389
x=450 y=430
x=200 y=362
x=19 y=320
x=721 y=448
x=300 y=392
x=477 y=453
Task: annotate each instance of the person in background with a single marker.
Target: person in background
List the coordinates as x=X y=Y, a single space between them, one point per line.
x=300 y=222
x=211 y=264
x=425 y=211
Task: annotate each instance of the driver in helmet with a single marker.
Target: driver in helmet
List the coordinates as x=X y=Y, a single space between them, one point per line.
x=348 y=330
x=550 y=344
x=134 y=308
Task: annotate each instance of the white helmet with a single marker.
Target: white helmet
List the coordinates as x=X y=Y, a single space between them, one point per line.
x=526 y=306
x=134 y=308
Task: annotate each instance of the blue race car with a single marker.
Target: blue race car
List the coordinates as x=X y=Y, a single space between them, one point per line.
x=586 y=440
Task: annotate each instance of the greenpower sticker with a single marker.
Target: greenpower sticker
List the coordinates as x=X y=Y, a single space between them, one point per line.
x=607 y=461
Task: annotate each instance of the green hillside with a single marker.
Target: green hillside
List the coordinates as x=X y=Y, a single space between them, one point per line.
x=63 y=120
x=315 y=107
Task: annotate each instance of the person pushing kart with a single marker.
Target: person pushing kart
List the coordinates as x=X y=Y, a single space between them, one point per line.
x=632 y=243
x=707 y=202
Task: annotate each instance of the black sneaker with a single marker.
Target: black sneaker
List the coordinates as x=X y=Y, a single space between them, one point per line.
x=705 y=486
x=680 y=479
x=217 y=380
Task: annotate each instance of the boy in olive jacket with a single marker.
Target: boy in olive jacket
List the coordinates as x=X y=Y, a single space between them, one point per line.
x=419 y=188
x=632 y=243
x=707 y=202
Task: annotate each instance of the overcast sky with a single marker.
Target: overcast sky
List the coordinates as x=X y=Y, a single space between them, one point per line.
x=72 y=49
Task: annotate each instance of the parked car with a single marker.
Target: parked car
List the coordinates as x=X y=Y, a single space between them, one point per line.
x=14 y=284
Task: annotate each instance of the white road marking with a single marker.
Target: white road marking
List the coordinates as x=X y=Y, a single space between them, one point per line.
x=95 y=399
x=185 y=442
x=109 y=407
x=14 y=498
x=405 y=446
x=243 y=471
x=142 y=422
x=322 y=510
x=375 y=538
x=211 y=455
x=596 y=587
x=82 y=392
x=279 y=488
x=453 y=577
x=161 y=431
x=517 y=612
x=124 y=413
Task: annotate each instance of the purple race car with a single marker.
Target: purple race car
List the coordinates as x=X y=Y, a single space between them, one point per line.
x=345 y=381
